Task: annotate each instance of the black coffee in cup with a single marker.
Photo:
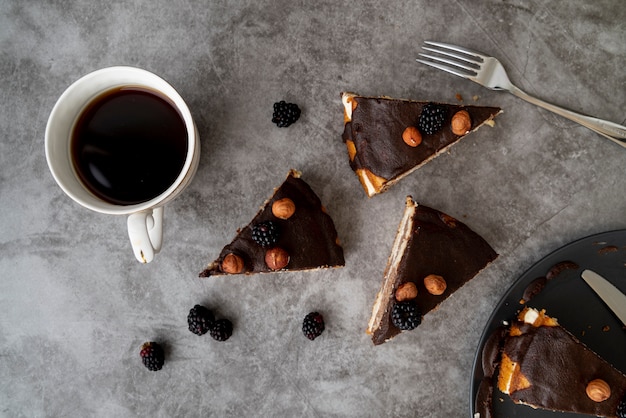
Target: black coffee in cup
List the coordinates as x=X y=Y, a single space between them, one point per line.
x=129 y=145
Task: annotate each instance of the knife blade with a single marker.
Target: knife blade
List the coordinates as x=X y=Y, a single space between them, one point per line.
x=611 y=295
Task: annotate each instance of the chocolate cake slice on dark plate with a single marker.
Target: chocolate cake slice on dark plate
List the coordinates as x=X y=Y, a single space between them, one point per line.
x=542 y=365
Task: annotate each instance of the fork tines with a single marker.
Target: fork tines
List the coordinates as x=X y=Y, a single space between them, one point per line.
x=452 y=59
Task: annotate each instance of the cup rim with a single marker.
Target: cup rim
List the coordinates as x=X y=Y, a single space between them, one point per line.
x=99 y=205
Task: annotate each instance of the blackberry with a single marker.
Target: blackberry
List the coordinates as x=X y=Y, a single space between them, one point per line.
x=431 y=119
x=285 y=113
x=152 y=356
x=265 y=233
x=221 y=330
x=406 y=315
x=313 y=325
x=621 y=408
x=200 y=320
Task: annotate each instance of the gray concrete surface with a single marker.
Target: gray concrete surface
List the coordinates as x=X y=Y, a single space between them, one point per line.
x=76 y=306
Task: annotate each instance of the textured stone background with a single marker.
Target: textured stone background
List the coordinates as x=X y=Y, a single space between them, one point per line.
x=76 y=306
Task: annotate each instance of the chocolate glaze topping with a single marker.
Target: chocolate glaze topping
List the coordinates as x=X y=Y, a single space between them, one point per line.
x=490 y=357
x=484 y=398
x=440 y=245
x=560 y=267
x=534 y=288
x=309 y=235
x=559 y=367
x=376 y=130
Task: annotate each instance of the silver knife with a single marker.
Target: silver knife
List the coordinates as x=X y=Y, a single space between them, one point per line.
x=610 y=294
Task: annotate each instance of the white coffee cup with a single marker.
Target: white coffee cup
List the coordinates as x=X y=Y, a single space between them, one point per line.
x=145 y=220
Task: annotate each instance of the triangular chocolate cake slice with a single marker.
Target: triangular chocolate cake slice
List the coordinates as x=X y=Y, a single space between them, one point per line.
x=388 y=139
x=433 y=255
x=292 y=231
x=544 y=366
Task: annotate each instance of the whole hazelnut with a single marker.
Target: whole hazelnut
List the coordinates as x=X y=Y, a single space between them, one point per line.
x=276 y=258
x=435 y=284
x=406 y=291
x=232 y=263
x=412 y=136
x=283 y=208
x=461 y=122
x=598 y=390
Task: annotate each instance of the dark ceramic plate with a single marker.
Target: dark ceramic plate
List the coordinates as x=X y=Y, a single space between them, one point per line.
x=569 y=299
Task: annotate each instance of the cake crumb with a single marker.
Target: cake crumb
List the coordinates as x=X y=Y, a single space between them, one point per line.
x=459 y=97
x=606 y=328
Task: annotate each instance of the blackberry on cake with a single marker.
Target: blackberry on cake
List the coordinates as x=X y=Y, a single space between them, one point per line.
x=221 y=330
x=265 y=233
x=406 y=315
x=313 y=325
x=432 y=118
x=200 y=320
x=152 y=356
x=285 y=113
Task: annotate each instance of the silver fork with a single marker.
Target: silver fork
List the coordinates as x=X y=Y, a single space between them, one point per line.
x=489 y=72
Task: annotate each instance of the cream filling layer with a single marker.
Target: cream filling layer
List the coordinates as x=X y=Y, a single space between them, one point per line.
x=387 y=290
x=346 y=99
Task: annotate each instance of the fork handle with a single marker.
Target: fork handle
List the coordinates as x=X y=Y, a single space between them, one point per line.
x=610 y=130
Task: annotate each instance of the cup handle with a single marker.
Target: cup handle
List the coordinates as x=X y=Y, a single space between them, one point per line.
x=145 y=230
